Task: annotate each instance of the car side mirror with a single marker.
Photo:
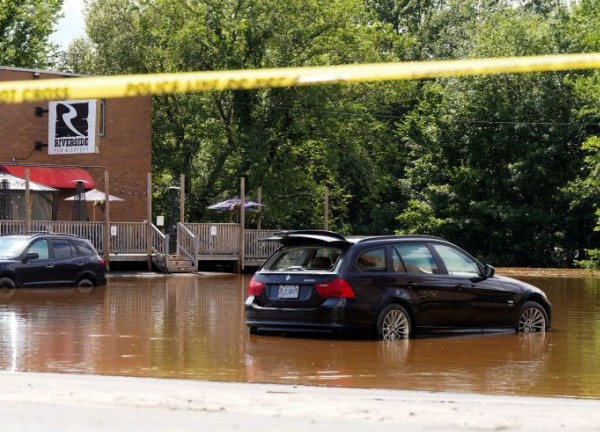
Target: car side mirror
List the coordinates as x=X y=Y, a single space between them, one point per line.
x=30 y=256
x=489 y=271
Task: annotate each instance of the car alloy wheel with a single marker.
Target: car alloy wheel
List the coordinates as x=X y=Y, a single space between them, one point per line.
x=532 y=318
x=393 y=323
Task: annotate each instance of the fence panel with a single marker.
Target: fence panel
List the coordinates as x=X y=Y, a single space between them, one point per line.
x=11 y=226
x=89 y=230
x=259 y=250
x=130 y=238
x=216 y=239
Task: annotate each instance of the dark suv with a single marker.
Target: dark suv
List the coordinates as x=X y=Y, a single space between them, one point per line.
x=46 y=259
x=390 y=287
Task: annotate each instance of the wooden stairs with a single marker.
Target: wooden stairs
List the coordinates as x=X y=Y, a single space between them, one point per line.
x=176 y=264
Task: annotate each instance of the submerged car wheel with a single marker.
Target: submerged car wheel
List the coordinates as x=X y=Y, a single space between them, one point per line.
x=85 y=283
x=7 y=287
x=7 y=282
x=532 y=318
x=393 y=323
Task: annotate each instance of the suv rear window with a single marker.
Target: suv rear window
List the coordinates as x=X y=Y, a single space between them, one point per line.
x=63 y=249
x=306 y=258
x=84 y=248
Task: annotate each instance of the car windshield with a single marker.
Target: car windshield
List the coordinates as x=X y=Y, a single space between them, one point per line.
x=10 y=247
x=306 y=258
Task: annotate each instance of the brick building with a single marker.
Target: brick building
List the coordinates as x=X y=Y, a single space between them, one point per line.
x=120 y=144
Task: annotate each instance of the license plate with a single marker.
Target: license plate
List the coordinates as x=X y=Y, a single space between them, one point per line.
x=289 y=291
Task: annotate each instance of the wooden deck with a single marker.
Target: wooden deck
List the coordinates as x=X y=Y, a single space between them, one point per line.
x=139 y=241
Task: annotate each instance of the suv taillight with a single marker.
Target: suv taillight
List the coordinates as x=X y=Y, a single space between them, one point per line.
x=255 y=287
x=338 y=288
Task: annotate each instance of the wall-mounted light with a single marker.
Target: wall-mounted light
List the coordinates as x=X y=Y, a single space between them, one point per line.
x=39 y=111
x=39 y=145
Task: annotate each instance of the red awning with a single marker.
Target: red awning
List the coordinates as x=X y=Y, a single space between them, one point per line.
x=60 y=178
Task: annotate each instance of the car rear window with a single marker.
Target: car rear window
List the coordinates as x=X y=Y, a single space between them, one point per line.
x=372 y=260
x=306 y=258
x=63 y=249
x=84 y=248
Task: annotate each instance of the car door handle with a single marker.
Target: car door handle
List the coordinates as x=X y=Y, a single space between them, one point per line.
x=49 y=266
x=464 y=286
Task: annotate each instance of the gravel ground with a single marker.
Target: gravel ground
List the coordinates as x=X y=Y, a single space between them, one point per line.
x=61 y=402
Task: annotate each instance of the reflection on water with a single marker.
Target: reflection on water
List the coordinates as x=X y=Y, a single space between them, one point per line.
x=193 y=327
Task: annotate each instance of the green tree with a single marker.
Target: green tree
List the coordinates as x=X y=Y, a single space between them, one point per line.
x=79 y=57
x=291 y=142
x=25 y=27
x=582 y=32
x=490 y=155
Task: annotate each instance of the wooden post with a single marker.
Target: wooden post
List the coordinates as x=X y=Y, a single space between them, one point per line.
x=326 y=209
x=106 y=237
x=149 y=220
x=182 y=198
x=27 y=227
x=242 y=221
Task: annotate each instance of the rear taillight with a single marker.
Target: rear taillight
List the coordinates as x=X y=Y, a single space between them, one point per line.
x=338 y=288
x=102 y=262
x=255 y=287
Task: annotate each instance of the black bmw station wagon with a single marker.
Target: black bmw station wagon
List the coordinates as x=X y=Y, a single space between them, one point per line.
x=389 y=287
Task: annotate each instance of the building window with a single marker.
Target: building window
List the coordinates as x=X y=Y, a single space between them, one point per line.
x=102 y=119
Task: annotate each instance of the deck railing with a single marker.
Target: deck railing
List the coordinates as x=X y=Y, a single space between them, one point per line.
x=256 y=250
x=11 y=226
x=216 y=239
x=160 y=244
x=195 y=240
x=187 y=243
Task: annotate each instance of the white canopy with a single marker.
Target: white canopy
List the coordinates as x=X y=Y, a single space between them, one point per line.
x=42 y=198
x=16 y=183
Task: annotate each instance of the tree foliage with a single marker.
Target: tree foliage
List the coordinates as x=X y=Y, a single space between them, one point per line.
x=25 y=26
x=494 y=163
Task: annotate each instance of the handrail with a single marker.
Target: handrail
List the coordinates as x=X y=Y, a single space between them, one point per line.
x=186 y=240
x=160 y=243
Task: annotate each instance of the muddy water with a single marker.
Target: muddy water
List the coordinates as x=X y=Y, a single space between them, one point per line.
x=193 y=327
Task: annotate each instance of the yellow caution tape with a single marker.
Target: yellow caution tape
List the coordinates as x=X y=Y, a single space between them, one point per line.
x=151 y=84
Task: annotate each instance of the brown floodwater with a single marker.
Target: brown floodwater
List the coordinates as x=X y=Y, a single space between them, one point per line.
x=192 y=327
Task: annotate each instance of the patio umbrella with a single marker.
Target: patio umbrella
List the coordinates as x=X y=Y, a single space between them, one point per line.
x=233 y=204
x=96 y=196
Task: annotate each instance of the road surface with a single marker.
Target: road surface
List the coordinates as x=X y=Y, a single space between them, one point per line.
x=65 y=402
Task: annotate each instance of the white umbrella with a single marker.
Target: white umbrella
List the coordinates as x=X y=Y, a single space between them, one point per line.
x=96 y=196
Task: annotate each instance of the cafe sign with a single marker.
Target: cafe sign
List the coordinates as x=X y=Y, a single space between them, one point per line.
x=72 y=127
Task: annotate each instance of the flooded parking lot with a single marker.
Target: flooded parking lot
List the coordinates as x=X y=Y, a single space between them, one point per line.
x=193 y=327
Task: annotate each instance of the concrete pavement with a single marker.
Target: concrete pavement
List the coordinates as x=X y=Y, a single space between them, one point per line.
x=64 y=402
